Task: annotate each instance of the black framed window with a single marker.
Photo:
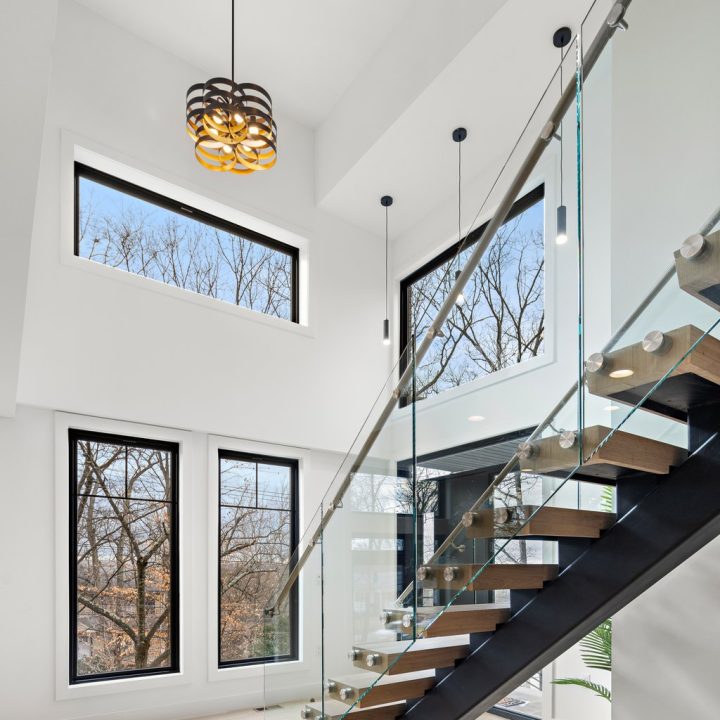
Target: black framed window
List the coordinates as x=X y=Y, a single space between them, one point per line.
x=127 y=227
x=256 y=540
x=500 y=321
x=124 y=574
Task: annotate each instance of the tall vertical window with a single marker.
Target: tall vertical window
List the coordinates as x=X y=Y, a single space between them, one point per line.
x=500 y=320
x=257 y=536
x=141 y=232
x=124 y=606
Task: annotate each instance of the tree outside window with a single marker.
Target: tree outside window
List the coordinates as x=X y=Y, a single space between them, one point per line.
x=257 y=528
x=501 y=320
x=124 y=596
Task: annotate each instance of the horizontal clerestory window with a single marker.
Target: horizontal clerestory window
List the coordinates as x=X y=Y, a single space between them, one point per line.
x=499 y=320
x=129 y=228
x=124 y=579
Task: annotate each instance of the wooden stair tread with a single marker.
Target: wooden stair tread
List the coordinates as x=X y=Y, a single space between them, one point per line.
x=399 y=646
x=700 y=277
x=474 y=607
x=365 y=679
x=386 y=689
x=537 y=521
x=440 y=621
x=695 y=380
x=495 y=576
x=336 y=709
x=397 y=658
x=622 y=451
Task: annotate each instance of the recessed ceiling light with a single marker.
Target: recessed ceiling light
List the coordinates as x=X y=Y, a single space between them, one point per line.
x=622 y=373
x=612 y=407
x=476 y=418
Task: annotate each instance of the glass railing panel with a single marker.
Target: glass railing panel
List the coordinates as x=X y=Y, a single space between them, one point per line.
x=304 y=597
x=290 y=636
x=517 y=323
x=368 y=550
x=646 y=285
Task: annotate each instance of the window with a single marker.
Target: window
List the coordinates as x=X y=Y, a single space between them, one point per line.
x=132 y=229
x=124 y=605
x=257 y=536
x=502 y=319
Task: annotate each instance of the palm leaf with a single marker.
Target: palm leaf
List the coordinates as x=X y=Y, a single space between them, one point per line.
x=599 y=690
x=607 y=499
x=596 y=647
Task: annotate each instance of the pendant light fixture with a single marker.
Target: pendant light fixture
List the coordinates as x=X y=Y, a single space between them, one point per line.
x=231 y=123
x=386 y=201
x=459 y=135
x=561 y=38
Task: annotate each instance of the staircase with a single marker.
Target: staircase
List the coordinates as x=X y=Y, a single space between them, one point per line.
x=467 y=654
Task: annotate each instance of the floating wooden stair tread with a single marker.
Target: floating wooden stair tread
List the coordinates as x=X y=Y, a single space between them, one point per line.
x=405 y=657
x=495 y=576
x=621 y=453
x=387 y=689
x=334 y=710
x=536 y=521
x=695 y=381
x=699 y=273
x=441 y=621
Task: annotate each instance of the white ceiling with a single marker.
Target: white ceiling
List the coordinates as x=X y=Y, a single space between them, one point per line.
x=304 y=52
x=491 y=87
x=431 y=65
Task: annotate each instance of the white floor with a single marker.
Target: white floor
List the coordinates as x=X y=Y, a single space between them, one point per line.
x=287 y=711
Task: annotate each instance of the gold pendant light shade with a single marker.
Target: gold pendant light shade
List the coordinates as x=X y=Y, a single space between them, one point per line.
x=232 y=126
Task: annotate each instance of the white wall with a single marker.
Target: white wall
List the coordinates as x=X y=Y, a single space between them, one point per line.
x=186 y=364
x=666 y=160
x=19 y=170
x=666 y=182
x=100 y=346
x=33 y=625
x=665 y=645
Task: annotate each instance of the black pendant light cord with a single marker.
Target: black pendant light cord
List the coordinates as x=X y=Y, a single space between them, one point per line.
x=459 y=194
x=386 y=261
x=232 y=41
x=561 y=129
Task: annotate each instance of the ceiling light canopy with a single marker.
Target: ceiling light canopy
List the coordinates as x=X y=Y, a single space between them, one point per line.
x=231 y=123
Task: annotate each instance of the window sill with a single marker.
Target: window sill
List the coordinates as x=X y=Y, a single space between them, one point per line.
x=142 y=283
x=119 y=685
x=291 y=667
x=478 y=385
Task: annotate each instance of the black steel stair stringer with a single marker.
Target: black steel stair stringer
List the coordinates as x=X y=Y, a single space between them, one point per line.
x=677 y=518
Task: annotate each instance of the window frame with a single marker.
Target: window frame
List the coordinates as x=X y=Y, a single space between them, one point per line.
x=293 y=600
x=519 y=206
x=81 y=170
x=75 y=435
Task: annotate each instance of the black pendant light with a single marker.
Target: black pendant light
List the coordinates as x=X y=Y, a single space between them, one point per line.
x=459 y=135
x=386 y=201
x=561 y=38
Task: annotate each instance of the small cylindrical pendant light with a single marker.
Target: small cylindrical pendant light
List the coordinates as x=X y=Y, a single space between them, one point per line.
x=386 y=201
x=561 y=38
x=561 y=237
x=458 y=136
x=460 y=300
